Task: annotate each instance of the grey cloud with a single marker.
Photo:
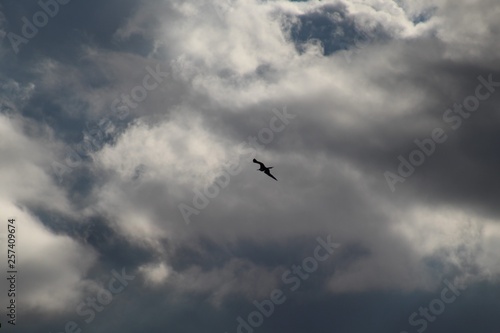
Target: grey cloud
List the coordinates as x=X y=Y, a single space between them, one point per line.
x=228 y=69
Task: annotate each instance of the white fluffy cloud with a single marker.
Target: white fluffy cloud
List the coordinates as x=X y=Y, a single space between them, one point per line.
x=230 y=61
x=26 y=166
x=51 y=267
x=220 y=51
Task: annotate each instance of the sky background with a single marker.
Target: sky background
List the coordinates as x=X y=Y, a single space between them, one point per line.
x=97 y=182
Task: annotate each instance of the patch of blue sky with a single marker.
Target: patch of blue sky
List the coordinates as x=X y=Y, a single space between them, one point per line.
x=333 y=29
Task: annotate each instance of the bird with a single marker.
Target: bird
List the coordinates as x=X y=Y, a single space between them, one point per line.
x=265 y=169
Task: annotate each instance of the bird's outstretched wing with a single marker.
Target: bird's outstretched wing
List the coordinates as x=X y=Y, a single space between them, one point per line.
x=259 y=163
x=267 y=172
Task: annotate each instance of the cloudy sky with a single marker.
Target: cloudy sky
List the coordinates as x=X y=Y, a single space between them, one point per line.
x=127 y=133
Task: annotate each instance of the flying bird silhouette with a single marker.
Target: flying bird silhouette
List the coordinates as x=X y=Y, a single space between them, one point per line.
x=265 y=169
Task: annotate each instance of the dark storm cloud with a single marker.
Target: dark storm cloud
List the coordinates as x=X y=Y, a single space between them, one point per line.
x=460 y=171
x=341 y=313
x=74 y=23
x=228 y=70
